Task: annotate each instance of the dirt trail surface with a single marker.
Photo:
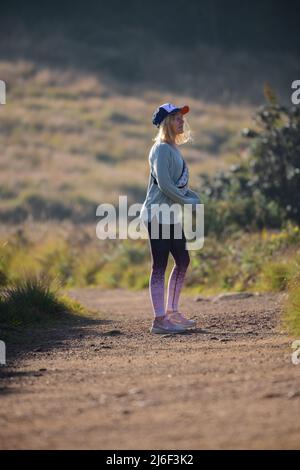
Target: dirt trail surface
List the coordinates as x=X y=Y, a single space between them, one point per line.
x=109 y=384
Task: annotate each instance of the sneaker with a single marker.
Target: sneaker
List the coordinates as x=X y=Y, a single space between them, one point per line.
x=162 y=325
x=178 y=319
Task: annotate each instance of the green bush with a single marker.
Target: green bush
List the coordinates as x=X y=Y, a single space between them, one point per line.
x=262 y=191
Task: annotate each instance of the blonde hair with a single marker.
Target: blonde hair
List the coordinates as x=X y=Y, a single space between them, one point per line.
x=165 y=132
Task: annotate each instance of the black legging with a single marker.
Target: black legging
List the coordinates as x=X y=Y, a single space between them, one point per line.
x=160 y=249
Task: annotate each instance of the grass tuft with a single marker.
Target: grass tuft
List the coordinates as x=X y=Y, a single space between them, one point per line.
x=34 y=301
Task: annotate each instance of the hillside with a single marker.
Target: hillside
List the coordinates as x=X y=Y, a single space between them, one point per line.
x=76 y=129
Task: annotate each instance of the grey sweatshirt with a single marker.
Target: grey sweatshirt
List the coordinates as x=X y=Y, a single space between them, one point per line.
x=166 y=164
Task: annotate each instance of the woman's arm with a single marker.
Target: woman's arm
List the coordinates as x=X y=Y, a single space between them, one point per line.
x=191 y=193
x=165 y=183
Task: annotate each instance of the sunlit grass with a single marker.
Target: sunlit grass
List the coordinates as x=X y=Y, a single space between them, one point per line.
x=63 y=130
x=33 y=301
x=72 y=254
x=291 y=306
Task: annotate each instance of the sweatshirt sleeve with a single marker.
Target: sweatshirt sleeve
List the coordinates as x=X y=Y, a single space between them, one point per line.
x=191 y=193
x=165 y=183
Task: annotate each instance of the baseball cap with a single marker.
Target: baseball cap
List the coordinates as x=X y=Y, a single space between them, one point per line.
x=164 y=110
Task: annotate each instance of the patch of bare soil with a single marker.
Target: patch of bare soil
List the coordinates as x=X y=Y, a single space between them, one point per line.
x=110 y=384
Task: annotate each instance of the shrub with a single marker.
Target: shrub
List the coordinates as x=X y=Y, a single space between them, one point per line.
x=262 y=191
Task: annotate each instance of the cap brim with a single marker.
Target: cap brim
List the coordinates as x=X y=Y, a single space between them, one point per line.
x=184 y=109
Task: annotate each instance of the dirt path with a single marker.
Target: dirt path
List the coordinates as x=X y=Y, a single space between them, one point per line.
x=229 y=384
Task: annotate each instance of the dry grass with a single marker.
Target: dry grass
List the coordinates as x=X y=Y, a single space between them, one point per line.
x=67 y=137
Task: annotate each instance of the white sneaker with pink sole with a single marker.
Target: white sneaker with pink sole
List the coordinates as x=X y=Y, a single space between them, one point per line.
x=163 y=325
x=179 y=319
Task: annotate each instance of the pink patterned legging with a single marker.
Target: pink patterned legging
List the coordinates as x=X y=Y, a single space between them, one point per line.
x=160 y=249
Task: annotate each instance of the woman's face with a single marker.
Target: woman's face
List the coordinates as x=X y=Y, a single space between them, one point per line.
x=177 y=123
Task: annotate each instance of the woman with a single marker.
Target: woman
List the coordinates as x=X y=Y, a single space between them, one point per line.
x=168 y=184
